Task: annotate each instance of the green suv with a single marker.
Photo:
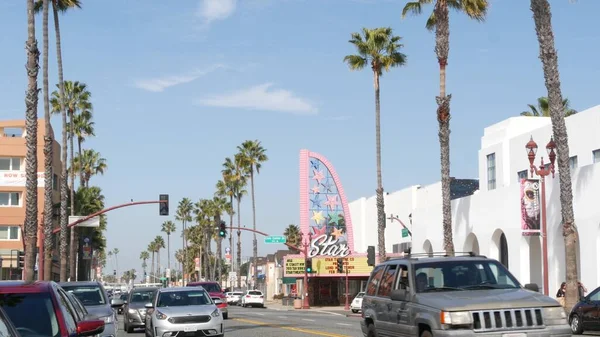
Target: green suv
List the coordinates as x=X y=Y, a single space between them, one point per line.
x=464 y=295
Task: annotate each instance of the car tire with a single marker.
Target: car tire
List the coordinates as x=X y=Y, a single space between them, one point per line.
x=225 y=315
x=426 y=333
x=371 y=330
x=354 y=311
x=576 y=326
x=129 y=329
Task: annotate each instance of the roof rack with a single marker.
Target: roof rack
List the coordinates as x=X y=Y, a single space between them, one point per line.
x=436 y=254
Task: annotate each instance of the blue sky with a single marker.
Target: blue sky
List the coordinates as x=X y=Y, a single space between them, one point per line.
x=177 y=88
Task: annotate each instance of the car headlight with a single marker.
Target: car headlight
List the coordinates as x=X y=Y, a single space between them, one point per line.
x=456 y=318
x=160 y=315
x=216 y=313
x=554 y=315
x=132 y=311
x=109 y=319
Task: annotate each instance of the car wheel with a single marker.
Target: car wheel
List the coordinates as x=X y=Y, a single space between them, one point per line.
x=225 y=315
x=371 y=330
x=576 y=326
x=354 y=311
x=426 y=333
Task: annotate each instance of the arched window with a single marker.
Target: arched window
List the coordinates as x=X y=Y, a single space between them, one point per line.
x=503 y=250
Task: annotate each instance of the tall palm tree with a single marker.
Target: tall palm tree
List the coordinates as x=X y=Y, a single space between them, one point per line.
x=116 y=252
x=184 y=214
x=152 y=249
x=83 y=127
x=253 y=155
x=203 y=213
x=159 y=244
x=380 y=49
x=543 y=108
x=168 y=227
x=31 y=120
x=542 y=17
x=293 y=236
x=89 y=163
x=439 y=20
x=219 y=205
x=76 y=98
x=144 y=256
x=235 y=172
x=226 y=189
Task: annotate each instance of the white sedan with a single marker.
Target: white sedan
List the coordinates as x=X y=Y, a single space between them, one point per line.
x=357 y=302
x=254 y=298
x=234 y=297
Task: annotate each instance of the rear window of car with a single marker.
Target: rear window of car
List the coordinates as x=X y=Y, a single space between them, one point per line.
x=238 y=294
x=87 y=295
x=254 y=293
x=21 y=308
x=211 y=287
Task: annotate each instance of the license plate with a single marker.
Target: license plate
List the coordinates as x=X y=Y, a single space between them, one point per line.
x=190 y=328
x=514 y=335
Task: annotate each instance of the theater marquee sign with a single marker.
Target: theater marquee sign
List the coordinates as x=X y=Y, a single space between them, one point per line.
x=327 y=245
x=327 y=266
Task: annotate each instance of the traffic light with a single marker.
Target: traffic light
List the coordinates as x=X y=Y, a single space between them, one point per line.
x=340 y=265
x=223 y=229
x=164 y=205
x=371 y=255
x=21 y=259
x=308 y=264
x=115 y=272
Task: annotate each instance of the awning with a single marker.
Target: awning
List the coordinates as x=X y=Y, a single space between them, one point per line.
x=288 y=280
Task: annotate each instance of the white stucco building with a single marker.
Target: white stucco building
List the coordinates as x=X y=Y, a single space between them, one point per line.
x=489 y=221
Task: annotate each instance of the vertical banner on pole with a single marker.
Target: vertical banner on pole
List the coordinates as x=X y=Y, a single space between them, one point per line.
x=530 y=207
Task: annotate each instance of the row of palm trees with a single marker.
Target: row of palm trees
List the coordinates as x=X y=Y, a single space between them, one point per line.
x=379 y=49
x=72 y=100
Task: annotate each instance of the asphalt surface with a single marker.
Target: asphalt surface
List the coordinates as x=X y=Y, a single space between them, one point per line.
x=265 y=322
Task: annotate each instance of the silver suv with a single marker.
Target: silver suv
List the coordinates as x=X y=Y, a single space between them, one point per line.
x=465 y=295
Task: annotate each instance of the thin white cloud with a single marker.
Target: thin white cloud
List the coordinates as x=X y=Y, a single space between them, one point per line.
x=162 y=83
x=259 y=97
x=213 y=10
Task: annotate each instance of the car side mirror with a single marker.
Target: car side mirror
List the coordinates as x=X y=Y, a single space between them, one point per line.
x=115 y=302
x=148 y=306
x=217 y=302
x=399 y=295
x=532 y=287
x=90 y=328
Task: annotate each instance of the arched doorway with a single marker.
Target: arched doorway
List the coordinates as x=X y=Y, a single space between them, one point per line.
x=428 y=248
x=499 y=247
x=471 y=244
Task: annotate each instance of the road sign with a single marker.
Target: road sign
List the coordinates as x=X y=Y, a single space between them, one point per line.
x=404 y=232
x=275 y=239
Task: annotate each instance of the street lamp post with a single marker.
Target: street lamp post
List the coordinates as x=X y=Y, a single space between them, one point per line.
x=542 y=172
x=305 y=302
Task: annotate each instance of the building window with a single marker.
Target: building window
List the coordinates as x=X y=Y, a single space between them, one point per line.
x=9 y=199
x=10 y=164
x=55 y=182
x=9 y=233
x=491 y=171
x=596 y=155
x=522 y=175
x=573 y=162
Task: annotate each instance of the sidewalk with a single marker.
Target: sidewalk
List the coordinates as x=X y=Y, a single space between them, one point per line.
x=331 y=310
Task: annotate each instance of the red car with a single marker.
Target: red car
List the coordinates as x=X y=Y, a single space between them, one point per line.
x=216 y=293
x=44 y=309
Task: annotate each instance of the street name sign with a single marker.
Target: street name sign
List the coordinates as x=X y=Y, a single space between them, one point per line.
x=404 y=232
x=275 y=239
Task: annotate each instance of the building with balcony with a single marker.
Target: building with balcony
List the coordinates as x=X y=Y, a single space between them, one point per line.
x=12 y=192
x=490 y=220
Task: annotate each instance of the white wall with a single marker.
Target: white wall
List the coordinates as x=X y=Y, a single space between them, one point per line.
x=478 y=220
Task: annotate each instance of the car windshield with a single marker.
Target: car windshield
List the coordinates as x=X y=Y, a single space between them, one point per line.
x=182 y=298
x=22 y=308
x=462 y=275
x=142 y=296
x=360 y=295
x=88 y=295
x=211 y=287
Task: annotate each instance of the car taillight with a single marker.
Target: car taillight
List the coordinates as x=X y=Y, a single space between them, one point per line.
x=261 y=297
x=247 y=296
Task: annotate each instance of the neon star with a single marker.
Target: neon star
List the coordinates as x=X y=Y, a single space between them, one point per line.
x=328 y=186
x=334 y=217
x=318 y=217
x=318 y=176
x=337 y=233
x=316 y=189
x=332 y=201
x=319 y=231
x=315 y=164
x=316 y=201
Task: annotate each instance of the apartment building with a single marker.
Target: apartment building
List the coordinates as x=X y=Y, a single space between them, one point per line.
x=12 y=192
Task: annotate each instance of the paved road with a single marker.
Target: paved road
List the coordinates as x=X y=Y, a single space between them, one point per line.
x=255 y=322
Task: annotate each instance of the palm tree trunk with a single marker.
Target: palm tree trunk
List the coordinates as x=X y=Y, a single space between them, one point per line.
x=153 y=276
x=442 y=47
x=169 y=252
x=239 y=245
x=231 y=236
x=117 y=263
x=254 y=242
x=81 y=178
x=184 y=252
x=379 y=192
x=48 y=155
x=158 y=263
x=543 y=27
x=31 y=120
x=74 y=236
x=217 y=265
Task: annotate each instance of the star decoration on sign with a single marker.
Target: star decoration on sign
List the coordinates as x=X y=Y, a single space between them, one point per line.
x=315 y=164
x=318 y=176
x=315 y=189
x=318 y=217
x=337 y=233
x=319 y=231
x=316 y=201
x=332 y=201
x=334 y=217
x=328 y=186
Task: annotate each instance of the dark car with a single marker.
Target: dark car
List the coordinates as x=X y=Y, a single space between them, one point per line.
x=94 y=298
x=134 y=312
x=119 y=302
x=6 y=326
x=42 y=308
x=585 y=315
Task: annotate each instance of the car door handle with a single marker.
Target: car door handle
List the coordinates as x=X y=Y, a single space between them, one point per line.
x=389 y=306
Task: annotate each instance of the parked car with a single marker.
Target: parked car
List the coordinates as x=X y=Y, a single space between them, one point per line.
x=234 y=297
x=461 y=295
x=6 y=325
x=585 y=315
x=183 y=311
x=357 y=302
x=94 y=298
x=253 y=298
x=44 y=309
x=134 y=312
x=215 y=291
x=119 y=303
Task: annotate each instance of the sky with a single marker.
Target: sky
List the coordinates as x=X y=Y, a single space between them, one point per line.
x=177 y=88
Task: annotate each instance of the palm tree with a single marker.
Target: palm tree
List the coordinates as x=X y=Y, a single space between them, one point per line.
x=152 y=249
x=116 y=252
x=83 y=127
x=184 y=214
x=439 y=20
x=253 y=155
x=543 y=108
x=89 y=163
x=293 y=236
x=31 y=120
x=76 y=98
x=110 y=255
x=380 y=49
x=159 y=244
x=226 y=189
x=168 y=227
x=144 y=256
x=542 y=17
x=203 y=211
x=219 y=205
x=235 y=172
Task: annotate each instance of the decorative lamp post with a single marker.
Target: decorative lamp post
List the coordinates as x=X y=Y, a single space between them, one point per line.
x=542 y=172
x=306 y=302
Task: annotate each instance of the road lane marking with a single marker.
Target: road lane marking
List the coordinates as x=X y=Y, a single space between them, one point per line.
x=260 y=314
x=281 y=316
x=308 y=320
x=346 y=324
x=311 y=332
